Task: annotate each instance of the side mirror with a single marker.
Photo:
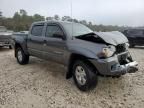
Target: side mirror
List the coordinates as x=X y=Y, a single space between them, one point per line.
x=59 y=36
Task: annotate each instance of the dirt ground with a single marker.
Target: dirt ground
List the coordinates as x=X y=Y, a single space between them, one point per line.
x=42 y=84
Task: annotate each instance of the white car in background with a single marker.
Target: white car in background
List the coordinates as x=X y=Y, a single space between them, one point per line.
x=5 y=37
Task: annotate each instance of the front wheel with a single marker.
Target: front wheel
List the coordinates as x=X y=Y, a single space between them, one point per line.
x=84 y=76
x=22 y=58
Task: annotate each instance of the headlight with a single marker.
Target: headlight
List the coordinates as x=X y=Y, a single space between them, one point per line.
x=107 y=52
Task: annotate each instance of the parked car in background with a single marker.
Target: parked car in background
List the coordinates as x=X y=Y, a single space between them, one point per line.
x=5 y=37
x=21 y=33
x=84 y=53
x=135 y=36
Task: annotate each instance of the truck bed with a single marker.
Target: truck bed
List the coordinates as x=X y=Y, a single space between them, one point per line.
x=18 y=36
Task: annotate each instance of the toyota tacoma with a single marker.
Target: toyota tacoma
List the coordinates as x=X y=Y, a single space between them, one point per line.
x=84 y=53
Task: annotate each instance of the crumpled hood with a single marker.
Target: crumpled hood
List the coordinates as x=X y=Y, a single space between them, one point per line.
x=113 y=37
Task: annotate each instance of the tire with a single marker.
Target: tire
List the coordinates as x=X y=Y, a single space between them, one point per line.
x=89 y=75
x=22 y=58
x=10 y=47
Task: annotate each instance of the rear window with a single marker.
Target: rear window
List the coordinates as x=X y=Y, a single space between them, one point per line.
x=37 y=30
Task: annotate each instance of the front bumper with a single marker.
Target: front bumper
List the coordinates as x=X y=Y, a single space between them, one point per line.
x=112 y=67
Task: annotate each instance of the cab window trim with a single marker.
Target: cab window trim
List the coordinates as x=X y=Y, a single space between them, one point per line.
x=41 y=24
x=53 y=25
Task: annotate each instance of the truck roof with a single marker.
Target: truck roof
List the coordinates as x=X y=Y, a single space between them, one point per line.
x=54 y=21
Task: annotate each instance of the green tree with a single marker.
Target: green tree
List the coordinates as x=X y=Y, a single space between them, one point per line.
x=23 y=12
x=75 y=20
x=49 y=18
x=0 y=13
x=56 y=17
x=38 y=17
x=83 y=22
x=22 y=21
x=66 y=18
x=1 y=18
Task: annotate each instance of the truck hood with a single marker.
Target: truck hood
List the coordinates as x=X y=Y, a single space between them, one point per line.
x=113 y=37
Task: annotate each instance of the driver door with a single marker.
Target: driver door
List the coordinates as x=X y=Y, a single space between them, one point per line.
x=54 y=48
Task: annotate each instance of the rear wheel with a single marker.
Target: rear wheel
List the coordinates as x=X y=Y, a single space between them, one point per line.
x=84 y=76
x=10 y=47
x=22 y=58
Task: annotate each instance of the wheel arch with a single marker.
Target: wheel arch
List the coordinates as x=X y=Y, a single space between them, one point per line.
x=73 y=58
x=18 y=45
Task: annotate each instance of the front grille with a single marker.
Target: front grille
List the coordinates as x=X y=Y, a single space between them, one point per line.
x=123 y=58
x=120 y=48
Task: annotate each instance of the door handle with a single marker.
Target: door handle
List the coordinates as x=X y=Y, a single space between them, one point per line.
x=44 y=43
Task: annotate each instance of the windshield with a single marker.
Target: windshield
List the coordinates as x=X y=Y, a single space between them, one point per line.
x=76 y=29
x=2 y=29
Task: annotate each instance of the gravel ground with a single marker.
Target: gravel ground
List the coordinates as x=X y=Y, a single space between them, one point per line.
x=42 y=84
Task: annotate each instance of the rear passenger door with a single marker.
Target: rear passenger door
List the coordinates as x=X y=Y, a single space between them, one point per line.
x=35 y=40
x=55 y=43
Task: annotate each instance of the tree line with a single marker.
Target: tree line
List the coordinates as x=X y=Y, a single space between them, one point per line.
x=21 y=21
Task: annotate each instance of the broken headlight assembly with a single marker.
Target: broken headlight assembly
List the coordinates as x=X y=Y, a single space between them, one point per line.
x=127 y=46
x=107 y=52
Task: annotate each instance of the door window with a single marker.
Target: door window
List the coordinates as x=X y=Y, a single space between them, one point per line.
x=37 y=30
x=51 y=30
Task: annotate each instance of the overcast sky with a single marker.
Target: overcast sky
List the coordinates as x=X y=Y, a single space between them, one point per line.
x=107 y=12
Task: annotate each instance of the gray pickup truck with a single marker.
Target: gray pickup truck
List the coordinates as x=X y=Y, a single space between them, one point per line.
x=84 y=53
x=5 y=37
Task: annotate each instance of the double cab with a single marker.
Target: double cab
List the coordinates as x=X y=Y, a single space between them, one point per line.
x=84 y=53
